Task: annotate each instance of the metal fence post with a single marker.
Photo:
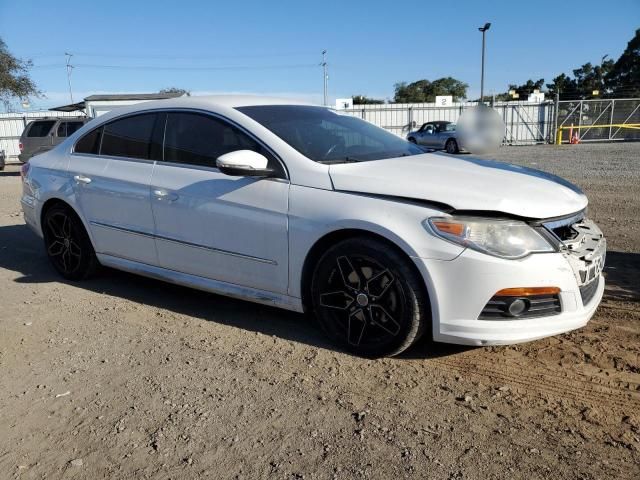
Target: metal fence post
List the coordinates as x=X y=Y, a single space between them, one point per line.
x=580 y=115
x=613 y=104
x=556 y=112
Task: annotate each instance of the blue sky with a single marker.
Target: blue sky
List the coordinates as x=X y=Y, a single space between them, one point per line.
x=273 y=47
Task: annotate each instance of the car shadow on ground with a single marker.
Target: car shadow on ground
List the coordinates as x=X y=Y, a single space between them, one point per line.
x=22 y=251
x=622 y=272
x=9 y=173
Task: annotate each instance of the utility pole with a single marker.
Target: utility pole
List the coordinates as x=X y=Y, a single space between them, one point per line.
x=483 y=30
x=69 y=69
x=325 y=76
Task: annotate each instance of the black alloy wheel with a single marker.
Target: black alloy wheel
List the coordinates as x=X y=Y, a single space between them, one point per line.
x=368 y=298
x=451 y=146
x=68 y=246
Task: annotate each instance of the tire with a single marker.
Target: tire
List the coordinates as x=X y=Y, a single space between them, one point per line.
x=67 y=244
x=368 y=298
x=451 y=146
x=412 y=140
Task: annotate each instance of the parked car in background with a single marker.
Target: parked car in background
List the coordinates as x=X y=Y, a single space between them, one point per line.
x=301 y=207
x=3 y=160
x=437 y=135
x=45 y=133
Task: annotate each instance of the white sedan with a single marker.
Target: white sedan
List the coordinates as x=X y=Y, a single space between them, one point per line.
x=304 y=208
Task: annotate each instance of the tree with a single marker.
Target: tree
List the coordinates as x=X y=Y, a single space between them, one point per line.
x=426 y=91
x=14 y=77
x=181 y=91
x=624 y=77
x=415 y=92
x=562 y=84
x=448 y=86
x=589 y=78
x=364 y=100
x=522 y=91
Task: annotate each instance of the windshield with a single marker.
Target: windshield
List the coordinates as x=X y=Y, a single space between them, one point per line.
x=326 y=136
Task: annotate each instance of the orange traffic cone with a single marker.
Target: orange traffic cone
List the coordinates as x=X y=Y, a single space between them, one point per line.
x=575 y=139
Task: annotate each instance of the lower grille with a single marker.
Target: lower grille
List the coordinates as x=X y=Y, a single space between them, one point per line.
x=589 y=290
x=538 y=306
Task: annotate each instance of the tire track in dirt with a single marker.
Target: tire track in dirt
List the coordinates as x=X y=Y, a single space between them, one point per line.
x=563 y=386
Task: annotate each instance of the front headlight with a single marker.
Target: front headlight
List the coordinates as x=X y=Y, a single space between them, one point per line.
x=501 y=238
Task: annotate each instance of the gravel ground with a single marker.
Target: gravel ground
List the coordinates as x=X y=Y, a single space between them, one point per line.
x=125 y=377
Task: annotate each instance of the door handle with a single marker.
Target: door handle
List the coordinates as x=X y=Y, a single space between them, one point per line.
x=82 y=179
x=165 y=195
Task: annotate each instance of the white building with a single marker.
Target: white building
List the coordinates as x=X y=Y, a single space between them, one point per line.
x=96 y=105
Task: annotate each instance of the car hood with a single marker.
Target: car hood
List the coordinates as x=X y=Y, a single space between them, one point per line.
x=464 y=183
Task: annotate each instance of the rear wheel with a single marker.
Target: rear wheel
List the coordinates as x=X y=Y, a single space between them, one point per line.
x=451 y=146
x=68 y=246
x=368 y=299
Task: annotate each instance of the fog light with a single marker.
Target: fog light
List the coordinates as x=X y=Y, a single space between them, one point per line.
x=517 y=307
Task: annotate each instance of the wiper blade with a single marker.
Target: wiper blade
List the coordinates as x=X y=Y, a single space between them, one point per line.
x=339 y=160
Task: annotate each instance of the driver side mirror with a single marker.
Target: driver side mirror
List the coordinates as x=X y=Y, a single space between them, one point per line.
x=244 y=163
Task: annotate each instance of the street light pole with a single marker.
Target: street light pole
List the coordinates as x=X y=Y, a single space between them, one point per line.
x=325 y=76
x=69 y=69
x=483 y=30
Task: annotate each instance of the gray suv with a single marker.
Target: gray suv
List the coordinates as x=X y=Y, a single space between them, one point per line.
x=45 y=133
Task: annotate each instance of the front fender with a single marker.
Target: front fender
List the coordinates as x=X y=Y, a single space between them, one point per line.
x=314 y=214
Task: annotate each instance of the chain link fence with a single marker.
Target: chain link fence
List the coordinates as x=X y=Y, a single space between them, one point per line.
x=599 y=120
x=526 y=123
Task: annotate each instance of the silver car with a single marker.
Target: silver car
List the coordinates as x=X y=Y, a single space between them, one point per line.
x=439 y=135
x=45 y=133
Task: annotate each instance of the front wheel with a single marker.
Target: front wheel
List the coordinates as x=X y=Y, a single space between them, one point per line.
x=368 y=298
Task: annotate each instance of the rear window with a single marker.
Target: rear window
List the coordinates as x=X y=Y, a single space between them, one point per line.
x=66 y=129
x=40 y=128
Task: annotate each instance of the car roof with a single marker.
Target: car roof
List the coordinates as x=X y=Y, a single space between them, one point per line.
x=229 y=101
x=203 y=102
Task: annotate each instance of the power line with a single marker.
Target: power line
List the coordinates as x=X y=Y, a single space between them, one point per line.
x=178 y=56
x=178 y=68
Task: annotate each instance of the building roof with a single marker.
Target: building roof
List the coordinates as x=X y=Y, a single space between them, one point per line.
x=131 y=96
x=114 y=97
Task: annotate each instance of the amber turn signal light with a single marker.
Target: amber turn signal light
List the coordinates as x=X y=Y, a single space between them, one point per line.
x=527 y=291
x=451 y=228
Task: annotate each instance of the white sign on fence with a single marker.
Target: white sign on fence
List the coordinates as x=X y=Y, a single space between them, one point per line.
x=444 y=100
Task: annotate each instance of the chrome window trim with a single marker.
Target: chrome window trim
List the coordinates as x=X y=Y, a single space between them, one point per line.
x=181 y=242
x=111 y=157
x=179 y=110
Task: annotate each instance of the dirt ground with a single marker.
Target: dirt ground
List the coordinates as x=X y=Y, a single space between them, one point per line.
x=125 y=377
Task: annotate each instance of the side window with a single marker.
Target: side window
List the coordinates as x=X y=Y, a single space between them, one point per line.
x=90 y=143
x=40 y=128
x=199 y=140
x=129 y=136
x=62 y=129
